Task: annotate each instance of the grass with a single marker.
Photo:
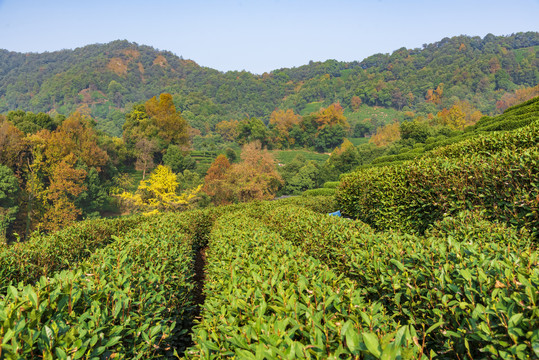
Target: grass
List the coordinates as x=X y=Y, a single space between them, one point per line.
x=286 y=156
x=359 y=141
x=384 y=115
x=311 y=107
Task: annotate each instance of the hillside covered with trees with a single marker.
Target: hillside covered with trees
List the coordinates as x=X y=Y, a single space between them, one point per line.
x=106 y=80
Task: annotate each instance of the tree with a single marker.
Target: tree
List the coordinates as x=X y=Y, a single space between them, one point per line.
x=145 y=150
x=76 y=136
x=30 y=123
x=159 y=193
x=157 y=121
x=305 y=179
x=459 y=115
x=177 y=160
x=66 y=184
x=283 y=121
x=94 y=197
x=414 y=130
x=171 y=126
x=12 y=144
x=331 y=116
x=252 y=129
x=355 y=103
x=255 y=177
x=228 y=129
x=115 y=92
x=9 y=189
x=343 y=159
x=214 y=182
x=328 y=137
x=435 y=96
x=517 y=97
x=386 y=135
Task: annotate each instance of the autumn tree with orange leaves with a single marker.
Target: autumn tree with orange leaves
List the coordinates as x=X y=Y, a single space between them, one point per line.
x=254 y=178
x=386 y=135
x=51 y=167
x=214 y=182
x=156 y=120
x=283 y=121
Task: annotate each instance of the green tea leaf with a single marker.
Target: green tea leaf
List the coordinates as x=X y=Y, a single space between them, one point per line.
x=398 y=264
x=371 y=341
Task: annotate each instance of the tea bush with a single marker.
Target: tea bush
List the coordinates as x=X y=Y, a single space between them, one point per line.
x=131 y=299
x=319 y=192
x=265 y=298
x=414 y=195
x=469 y=286
x=43 y=255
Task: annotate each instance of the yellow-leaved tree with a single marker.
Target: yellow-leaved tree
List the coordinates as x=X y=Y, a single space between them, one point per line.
x=159 y=193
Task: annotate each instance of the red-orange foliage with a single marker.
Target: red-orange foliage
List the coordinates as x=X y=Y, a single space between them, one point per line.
x=435 y=96
x=12 y=143
x=214 y=182
x=355 y=103
x=74 y=137
x=517 y=97
x=66 y=185
x=254 y=178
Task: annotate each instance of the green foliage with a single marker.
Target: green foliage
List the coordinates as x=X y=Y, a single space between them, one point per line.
x=415 y=131
x=319 y=192
x=131 y=299
x=287 y=156
x=92 y=200
x=177 y=160
x=320 y=204
x=418 y=140
x=331 y=185
x=267 y=298
x=253 y=129
x=468 y=286
x=282 y=279
x=29 y=122
x=513 y=118
x=8 y=200
x=415 y=194
x=43 y=255
x=107 y=78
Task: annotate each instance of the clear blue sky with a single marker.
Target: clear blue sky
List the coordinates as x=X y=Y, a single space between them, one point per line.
x=258 y=36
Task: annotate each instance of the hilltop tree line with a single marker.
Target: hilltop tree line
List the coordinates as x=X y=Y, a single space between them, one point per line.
x=106 y=80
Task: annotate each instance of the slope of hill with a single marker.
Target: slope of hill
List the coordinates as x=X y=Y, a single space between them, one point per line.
x=104 y=79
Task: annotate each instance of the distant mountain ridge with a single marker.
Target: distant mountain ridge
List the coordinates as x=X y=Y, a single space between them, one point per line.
x=105 y=79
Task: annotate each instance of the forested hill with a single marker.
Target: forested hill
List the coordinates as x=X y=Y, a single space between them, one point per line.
x=106 y=79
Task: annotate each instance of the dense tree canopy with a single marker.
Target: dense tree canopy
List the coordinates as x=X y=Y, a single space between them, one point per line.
x=107 y=78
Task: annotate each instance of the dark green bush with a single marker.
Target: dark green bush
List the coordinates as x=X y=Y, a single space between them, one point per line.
x=416 y=194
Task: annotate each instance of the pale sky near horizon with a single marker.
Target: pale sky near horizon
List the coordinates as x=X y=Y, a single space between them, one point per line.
x=258 y=36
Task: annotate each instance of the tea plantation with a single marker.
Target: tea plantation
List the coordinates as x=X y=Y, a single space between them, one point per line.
x=437 y=258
